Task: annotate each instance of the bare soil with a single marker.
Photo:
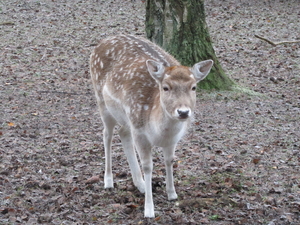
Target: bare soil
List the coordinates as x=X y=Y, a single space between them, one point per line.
x=238 y=164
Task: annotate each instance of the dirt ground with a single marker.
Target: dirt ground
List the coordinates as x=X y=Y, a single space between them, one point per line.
x=238 y=164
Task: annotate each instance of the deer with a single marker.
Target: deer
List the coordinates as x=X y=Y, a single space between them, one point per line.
x=151 y=96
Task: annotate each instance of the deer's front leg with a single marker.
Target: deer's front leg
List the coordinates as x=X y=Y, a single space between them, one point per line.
x=147 y=166
x=144 y=150
x=169 y=157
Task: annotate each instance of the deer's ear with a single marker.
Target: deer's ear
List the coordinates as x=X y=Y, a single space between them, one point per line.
x=156 y=69
x=201 y=70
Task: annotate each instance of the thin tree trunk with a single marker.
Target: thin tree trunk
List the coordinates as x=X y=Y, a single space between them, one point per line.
x=179 y=26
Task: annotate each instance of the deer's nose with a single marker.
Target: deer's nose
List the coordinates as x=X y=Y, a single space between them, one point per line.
x=183 y=113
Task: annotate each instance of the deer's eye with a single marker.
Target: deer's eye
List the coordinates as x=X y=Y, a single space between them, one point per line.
x=194 y=88
x=165 y=88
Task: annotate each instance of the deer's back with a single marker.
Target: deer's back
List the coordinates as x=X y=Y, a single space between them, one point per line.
x=118 y=68
x=124 y=55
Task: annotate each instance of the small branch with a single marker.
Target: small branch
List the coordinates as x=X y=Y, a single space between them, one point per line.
x=264 y=39
x=7 y=23
x=276 y=43
x=60 y=92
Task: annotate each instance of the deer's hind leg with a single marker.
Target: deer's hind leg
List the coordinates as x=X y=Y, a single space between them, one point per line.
x=109 y=123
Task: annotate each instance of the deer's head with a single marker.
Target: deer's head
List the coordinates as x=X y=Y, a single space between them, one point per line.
x=177 y=85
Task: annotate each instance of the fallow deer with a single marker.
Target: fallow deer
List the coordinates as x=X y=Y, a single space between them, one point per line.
x=151 y=96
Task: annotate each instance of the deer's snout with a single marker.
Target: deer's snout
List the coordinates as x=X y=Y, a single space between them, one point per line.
x=183 y=113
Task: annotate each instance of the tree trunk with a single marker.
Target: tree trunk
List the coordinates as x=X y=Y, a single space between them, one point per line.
x=179 y=26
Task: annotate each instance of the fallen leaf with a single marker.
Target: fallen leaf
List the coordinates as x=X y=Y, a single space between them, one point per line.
x=92 y=180
x=256 y=160
x=131 y=205
x=204 y=221
x=11 y=124
x=214 y=217
x=157 y=218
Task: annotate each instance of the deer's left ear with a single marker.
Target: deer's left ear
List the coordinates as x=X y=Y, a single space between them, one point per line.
x=201 y=70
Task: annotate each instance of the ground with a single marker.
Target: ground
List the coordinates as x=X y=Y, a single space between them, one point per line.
x=238 y=164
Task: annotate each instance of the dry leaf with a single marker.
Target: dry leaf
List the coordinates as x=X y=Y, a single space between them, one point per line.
x=157 y=218
x=92 y=180
x=132 y=206
x=11 y=124
x=256 y=160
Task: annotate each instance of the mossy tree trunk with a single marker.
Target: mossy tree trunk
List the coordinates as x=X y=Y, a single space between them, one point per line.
x=179 y=26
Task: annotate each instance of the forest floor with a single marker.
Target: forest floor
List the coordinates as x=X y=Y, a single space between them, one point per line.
x=238 y=164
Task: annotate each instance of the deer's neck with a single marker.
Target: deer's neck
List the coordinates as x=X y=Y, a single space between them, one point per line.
x=164 y=130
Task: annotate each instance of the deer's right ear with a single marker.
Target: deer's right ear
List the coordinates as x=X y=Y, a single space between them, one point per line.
x=156 y=69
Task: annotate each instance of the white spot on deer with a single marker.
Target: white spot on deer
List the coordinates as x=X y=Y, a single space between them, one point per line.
x=101 y=64
x=146 y=107
x=139 y=106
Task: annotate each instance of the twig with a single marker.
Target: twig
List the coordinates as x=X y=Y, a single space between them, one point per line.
x=62 y=92
x=276 y=43
x=7 y=23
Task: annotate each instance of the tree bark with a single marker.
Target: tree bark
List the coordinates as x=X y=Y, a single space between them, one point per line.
x=179 y=27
